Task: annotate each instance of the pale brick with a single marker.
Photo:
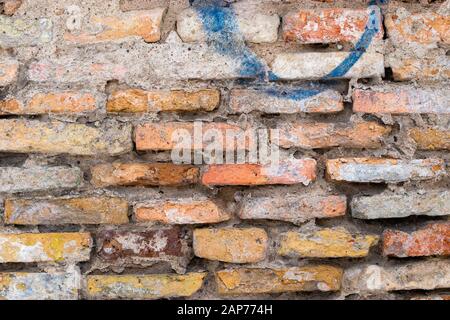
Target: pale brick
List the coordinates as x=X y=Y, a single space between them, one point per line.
x=294 y=171
x=164 y=136
x=432 y=240
x=285 y=101
x=232 y=245
x=187 y=211
x=153 y=286
x=259 y=281
x=55 y=137
x=144 y=174
x=431 y=138
x=326 y=135
x=39 y=286
x=16 y=32
x=55 y=102
x=325 y=243
x=145 y=24
x=317 y=65
x=136 y=100
x=423 y=275
x=402 y=100
x=293 y=208
x=433 y=67
x=382 y=206
x=59 y=211
x=379 y=170
x=9 y=70
x=253 y=26
x=144 y=247
x=45 y=247
x=14 y=179
x=331 y=25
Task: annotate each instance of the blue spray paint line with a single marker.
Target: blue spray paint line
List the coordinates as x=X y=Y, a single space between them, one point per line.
x=220 y=25
x=370 y=31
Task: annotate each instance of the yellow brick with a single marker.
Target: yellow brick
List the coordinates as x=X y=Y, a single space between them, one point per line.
x=144 y=286
x=326 y=243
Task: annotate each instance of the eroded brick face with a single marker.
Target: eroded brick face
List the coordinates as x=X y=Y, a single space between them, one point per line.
x=219 y=149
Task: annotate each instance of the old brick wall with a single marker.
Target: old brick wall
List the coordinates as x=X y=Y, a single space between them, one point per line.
x=92 y=207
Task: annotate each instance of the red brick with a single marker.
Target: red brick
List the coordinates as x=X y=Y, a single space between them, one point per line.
x=330 y=25
x=432 y=240
x=287 y=172
x=326 y=135
x=143 y=174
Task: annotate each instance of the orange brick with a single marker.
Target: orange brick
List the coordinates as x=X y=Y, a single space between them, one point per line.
x=325 y=135
x=433 y=240
x=429 y=68
x=431 y=139
x=8 y=72
x=163 y=136
x=287 y=172
x=10 y=6
x=181 y=212
x=59 y=102
x=144 y=24
x=136 y=100
x=143 y=174
x=330 y=25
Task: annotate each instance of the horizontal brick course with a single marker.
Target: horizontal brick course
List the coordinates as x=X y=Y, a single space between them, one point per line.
x=430 y=138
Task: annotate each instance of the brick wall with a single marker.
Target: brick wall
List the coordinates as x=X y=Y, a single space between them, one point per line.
x=92 y=206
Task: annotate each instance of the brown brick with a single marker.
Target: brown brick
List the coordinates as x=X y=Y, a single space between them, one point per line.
x=144 y=247
x=246 y=281
x=231 y=244
x=45 y=247
x=136 y=100
x=287 y=172
x=188 y=211
x=326 y=135
x=143 y=24
x=58 y=102
x=432 y=240
x=325 y=243
x=378 y=170
x=143 y=174
x=293 y=208
x=331 y=25
x=8 y=72
x=431 y=138
x=58 y=211
x=163 y=136
x=56 y=137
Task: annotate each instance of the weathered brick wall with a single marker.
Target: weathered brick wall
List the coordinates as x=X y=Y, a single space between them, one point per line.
x=92 y=206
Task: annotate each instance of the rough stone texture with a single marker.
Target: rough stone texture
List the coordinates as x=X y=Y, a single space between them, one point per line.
x=22 y=136
x=15 y=179
x=18 y=32
x=325 y=243
x=45 y=247
x=271 y=101
x=232 y=245
x=331 y=25
x=326 y=135
x=382 y=206
x=401 y=100
x=187 y=211
x=39 y=286
x=293 y=208
x=144 y=286
x=145 y=247
x=286 y=172
x=136 y=100
x=255 y=27
x=432 y=240
x=246 y=281
x=143 y=174
x=423 y=275
x=431 y=138
x=316 y=65
x=88 y=210
x=384 y=170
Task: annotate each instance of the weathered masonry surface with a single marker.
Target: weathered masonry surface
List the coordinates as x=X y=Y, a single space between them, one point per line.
x=93 y=207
